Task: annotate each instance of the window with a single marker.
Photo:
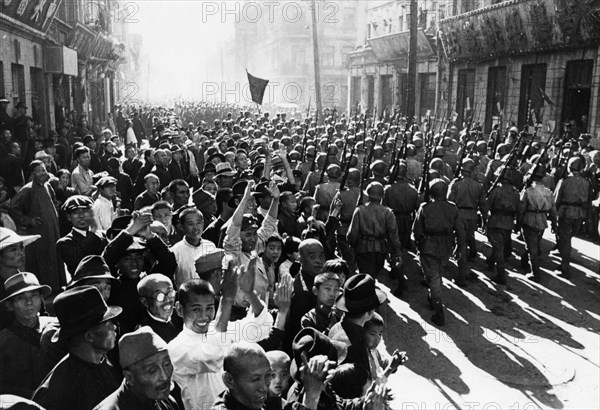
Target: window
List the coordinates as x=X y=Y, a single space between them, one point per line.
x=2 y=90
x=531 y=101
x=346 y=51
x=328 y=56
x=496 y=88
x=349 y=18
x=578 y=93
x=465 y=103
x=427 y=83
x=18 y=82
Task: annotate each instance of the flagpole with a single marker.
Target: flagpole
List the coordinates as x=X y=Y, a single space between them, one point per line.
x=317 y=64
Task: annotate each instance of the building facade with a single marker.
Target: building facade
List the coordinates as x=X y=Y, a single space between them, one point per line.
x=60 y=58
x=378 y=67
x=280 y=49
x=531 y=62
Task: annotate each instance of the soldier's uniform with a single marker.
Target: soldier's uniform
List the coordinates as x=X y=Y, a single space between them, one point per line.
x=373 y=233
x=414 y=168
x=402 y=198
x=349 y=198
x=325 y=192
x=503 y=203
x=468 y=196
x=436 y=223
x=536 y=203
x=571 y=197
x=494 y=164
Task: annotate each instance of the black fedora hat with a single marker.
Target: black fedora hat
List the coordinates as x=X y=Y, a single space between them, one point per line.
x=91 y=267
x=313 y=343
x=79 y=309
x=360 y=295
x=118 y=224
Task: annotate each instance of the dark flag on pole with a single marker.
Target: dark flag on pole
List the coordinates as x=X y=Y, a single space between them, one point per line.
x=257 y=88
x=545 y=97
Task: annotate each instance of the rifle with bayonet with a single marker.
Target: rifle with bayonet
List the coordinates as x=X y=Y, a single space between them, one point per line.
x=511 y=155
x=347 y=168
x=424 y=187
x=529 y=174
x=304 y=141
x=366 y=166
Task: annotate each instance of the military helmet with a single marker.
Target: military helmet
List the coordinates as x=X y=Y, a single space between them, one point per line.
x=468 y=165
x=575 y=164
x=378 y=167
x=438 y=188
x=374 y=190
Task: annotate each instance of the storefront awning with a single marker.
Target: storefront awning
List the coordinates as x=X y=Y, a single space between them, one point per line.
x=395 y=46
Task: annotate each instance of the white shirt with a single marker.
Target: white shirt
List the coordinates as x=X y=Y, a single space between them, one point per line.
x=104 y=212
x=186 y=255
x=198 y=358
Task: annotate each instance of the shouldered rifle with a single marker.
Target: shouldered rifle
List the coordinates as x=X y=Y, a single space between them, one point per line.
x=304 y=141
x=326 y=163
x=529 y=174
x=365 y=170
x=424 y=187
x=347 y=168
x=564 y=171
x=511 y=155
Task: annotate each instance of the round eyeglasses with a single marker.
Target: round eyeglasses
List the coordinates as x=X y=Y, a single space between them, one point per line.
x=161 y=296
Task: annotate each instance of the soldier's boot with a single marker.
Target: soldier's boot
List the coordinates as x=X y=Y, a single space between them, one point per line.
x=438 y=312
x=525 y=262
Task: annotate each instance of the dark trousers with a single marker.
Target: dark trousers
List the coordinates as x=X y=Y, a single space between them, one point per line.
x=567 y=228
x=371 y=263
x=433 y=269
x=533 y=238
x=498 y=240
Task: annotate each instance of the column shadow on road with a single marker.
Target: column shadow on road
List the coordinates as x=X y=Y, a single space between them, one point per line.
x=468 y=326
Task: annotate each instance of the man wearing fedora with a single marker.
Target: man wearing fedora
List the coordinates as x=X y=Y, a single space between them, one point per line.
x=147 y=371
x=82 y=240
x=360 y=299
x=20 y=354
x=161 y=169
x=5 y=119
x=85 y=376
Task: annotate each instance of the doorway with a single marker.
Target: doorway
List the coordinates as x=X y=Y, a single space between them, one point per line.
x=578 y=92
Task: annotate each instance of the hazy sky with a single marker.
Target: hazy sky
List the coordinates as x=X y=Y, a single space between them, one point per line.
x=179 y=37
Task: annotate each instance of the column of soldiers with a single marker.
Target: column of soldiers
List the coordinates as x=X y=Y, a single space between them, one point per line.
x=443 y=185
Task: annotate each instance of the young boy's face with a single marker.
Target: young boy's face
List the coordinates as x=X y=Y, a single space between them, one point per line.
x=193 y=226
x=373 y=335
x=273 y=251
x=165 y=216
x=26 y=306
x=327 y=292
x=198 y=312
x=281 y=377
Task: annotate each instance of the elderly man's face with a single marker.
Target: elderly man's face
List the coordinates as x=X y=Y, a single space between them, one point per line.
x=152 y=185
x=250 y=386
x=182 y=195
x=13 y=256
x=103 y=336
x=40 y=175
x=161 y=299
x=312 y=258
x=151 y=378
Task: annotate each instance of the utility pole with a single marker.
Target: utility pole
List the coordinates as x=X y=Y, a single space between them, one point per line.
x=317 y=64
x=412 y=62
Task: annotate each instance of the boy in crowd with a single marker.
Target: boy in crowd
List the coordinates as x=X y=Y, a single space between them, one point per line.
x=381 y=364
x=326 y=288
x=280 y=365
x=198 y=351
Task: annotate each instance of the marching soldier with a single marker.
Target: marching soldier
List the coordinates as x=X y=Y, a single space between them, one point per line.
x=435 y=224
x=536 y=203
x=349 y=198
x=325 y=192
x=373 y=233
x=414 y=169
x=503 y=203
x=469 y=196
x=402 y=198
x=571 y=197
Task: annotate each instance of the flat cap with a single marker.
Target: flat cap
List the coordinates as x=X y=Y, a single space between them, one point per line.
x=139 y=345
x=77 y=202
x=210 y=261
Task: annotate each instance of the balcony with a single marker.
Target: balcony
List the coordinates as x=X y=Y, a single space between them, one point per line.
x=520 y=27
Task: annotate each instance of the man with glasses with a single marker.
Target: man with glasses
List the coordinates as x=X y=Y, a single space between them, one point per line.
x=82 y=240
x=158 y=296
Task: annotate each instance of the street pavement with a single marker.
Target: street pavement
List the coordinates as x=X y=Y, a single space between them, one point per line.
x=522 y=346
